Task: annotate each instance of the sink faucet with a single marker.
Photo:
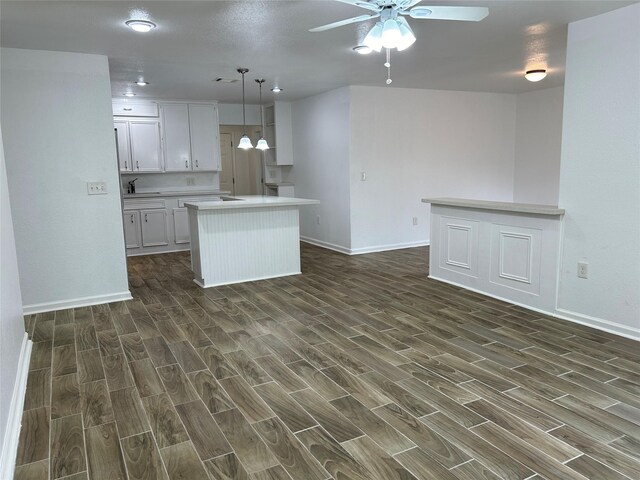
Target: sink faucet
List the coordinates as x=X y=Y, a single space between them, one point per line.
x=132 y=186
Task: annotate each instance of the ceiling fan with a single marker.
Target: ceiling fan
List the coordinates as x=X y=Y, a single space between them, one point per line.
x=392 y=30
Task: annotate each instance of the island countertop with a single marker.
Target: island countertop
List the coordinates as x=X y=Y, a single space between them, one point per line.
x=249 y=201
x=551 y=210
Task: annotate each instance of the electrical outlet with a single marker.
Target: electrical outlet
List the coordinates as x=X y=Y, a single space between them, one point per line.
x=318 y=219
x=191 y=181
x=415 y=220
x=583 y=270
x=363 y=176
x=96 y=188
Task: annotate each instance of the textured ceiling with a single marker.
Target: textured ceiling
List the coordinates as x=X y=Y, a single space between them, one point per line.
x=195 y=42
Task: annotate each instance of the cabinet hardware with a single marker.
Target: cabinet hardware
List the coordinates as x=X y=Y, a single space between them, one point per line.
x=132 y=218
x=145 y=217
x=186 y=164
x=125 y=165
x=196 y=163
x=137 y=165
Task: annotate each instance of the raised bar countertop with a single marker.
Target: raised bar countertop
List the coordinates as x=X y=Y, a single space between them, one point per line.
x=249 y=201
x=550 y=210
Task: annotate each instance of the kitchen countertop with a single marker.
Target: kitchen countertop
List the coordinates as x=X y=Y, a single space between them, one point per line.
x=250 y=201
x=182 y=193
x=276 y=184
x=551 y=210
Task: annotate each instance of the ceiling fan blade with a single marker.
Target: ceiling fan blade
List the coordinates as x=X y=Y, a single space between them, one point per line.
x=329 y=26
x=469 y=14
x=362 y=4
x=405 y=4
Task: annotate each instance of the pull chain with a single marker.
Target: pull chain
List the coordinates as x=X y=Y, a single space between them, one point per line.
x=388 y=65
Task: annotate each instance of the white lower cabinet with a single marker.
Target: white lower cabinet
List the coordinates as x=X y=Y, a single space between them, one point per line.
x=181 y=225
x=131 y=229
x=154 y=228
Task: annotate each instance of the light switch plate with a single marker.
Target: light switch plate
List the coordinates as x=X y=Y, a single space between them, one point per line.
x=96 y=188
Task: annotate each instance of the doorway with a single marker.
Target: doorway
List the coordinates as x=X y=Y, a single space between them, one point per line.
x=242 y=172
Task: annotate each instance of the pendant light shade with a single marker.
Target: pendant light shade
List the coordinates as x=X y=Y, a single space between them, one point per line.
x=245 y=142
x=262 y=143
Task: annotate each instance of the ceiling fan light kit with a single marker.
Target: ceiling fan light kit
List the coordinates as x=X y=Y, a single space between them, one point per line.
x=535 y=75
x=392 y=30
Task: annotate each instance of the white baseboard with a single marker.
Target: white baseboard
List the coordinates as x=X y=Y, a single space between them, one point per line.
x=593 y=322
x=160 y=252
x=14 y=418
x=254 y=279
x=76 y=302
x=362 y=250
x=386 y=248
x=599 y=323
x=327 y=245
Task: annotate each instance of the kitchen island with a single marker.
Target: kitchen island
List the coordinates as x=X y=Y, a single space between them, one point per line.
x=244 y=238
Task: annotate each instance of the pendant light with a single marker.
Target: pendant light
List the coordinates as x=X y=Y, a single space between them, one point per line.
x=262 y=143
x=245 y=142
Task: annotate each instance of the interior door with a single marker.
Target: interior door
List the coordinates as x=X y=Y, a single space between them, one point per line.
x=226 y=155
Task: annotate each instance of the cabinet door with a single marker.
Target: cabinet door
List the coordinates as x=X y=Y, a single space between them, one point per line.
x=175 y=127
x=124 y=154
x=154 y=228
x=181 y=225
x=145 y=146
x=205 y=137
x=131 y=229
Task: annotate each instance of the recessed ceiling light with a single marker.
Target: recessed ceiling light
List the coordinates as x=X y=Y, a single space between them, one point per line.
x=129 y=94
x=276 y=89
x=535 y=75
x=142 y=26
x=141 y=83
x=362 y=49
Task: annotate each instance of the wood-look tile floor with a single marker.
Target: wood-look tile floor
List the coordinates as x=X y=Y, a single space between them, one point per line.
x=361 y=368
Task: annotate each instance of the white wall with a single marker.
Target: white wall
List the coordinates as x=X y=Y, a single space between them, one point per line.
x=423 y=143
x=321 y=127
x=58 y=130
x=231 y=114
x=537 y=150
x=11 y=322
x=600 y=172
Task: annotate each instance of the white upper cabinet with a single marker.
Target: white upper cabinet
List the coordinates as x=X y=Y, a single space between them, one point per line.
x=124 y=153
x=205 y=137
x=146 y=154
x=175 y=128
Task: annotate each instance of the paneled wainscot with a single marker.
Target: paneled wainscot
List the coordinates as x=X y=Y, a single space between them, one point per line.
x=506 y=250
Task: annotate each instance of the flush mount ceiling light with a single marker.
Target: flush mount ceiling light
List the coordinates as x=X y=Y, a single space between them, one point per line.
x=141 y=83
x=362 y=49
x=392 y=30
x=129 y=94
x=276 y=89
x=262 y=143
x=535 y=75
x=245 y=141
x=140 y=26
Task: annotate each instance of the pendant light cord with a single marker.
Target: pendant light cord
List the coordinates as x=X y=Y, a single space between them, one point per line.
x=244 y=118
